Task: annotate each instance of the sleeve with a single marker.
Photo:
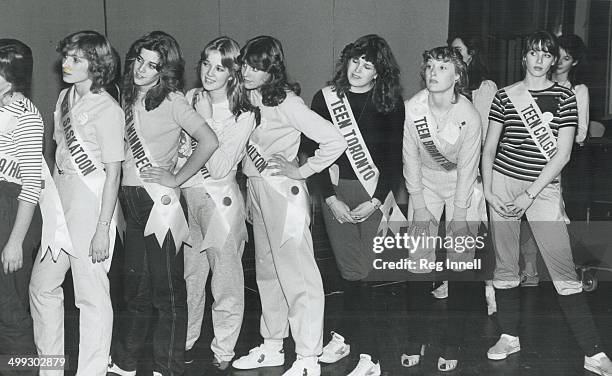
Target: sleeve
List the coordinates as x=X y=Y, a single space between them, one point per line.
x=468 y=158
x=110 y=130
x=184 y=115
x=322 y=178
x=498 y=111
x=412 y=163
x=389 y=168
x=330 y=140
x=232 y=145
x=28 y=139
x=568 y=110
x=582 y=101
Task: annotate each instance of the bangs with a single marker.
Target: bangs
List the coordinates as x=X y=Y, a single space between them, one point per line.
x=367 y=51
x=443 y=54
x=541 y=45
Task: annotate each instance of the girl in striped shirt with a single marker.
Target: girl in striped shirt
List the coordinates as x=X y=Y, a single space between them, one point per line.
x=529 y=140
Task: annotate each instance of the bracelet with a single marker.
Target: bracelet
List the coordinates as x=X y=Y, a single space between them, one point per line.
x=529 y=195
x=104 y=223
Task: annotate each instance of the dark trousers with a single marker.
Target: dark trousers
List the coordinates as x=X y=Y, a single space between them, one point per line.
x=16 y=333
x=153 y=282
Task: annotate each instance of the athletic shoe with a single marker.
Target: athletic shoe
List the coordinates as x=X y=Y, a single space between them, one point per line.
x=157 y=373
x=115 y=370
x=260 y=357
x=490 y=298
x=598 y=364
x=366 y=367
x=335 y=350
x=505 y=346
x=304 y=367
x=441 y=292
x=528 y=280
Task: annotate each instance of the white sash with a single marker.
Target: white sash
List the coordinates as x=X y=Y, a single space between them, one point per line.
x=419 y=115
x=9 y=168
x=357 y=151
x=167 y=213
x=533 y=119
x=55 y=235
x=90 y=171
x=296 y=197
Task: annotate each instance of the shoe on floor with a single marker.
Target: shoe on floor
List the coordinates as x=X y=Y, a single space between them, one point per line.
x=366 y=367
x=447 y=365
x=505 y=346
x=259 y=357
x=412 y=360
x=304 y=367
x=115 y=370
x=335 y=349
x=157 y=373
x=528 y=280
x=220 y=365
x=441 y=292
x=599 y=364
x=189 y=356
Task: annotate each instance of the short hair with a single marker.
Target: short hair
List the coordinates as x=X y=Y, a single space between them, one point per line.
x=575 y=47
x=265 y=53
x=171 y=67
x=477 y=69
x=98 y=52
x=237 y=96
x=449 y=54
x=387 y=88
x=16 y=65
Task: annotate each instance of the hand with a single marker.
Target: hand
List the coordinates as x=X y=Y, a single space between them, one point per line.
x=159 y=175
x=286 y=168
x=520 y=204
x=12 y=257
x=340 y=210
x=421 y=222
x=98 y=249
x=204 y=105
x=363 y=211
x=498 y=205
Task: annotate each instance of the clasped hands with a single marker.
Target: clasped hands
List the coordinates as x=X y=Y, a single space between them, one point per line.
x=513 y=209
x=343 y=214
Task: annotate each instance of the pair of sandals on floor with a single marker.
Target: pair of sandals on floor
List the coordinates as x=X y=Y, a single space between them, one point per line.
x=413 y=360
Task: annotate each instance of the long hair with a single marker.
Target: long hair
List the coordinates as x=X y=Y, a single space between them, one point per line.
x=387 y=89
x=542 y=41
x=574 y=46
x=265 y=53
x=16 y=65
x=98 y=52
x=449 y=54
x=236 y=93
x=170 y=67
x=477 y=69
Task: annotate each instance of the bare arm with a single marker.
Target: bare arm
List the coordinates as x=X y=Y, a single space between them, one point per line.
x=100 y=243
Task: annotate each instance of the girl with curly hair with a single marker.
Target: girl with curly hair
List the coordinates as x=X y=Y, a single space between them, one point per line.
x=441 y=153
x=289 y=281
x=89 y=128
x=156 y=112
x=366 y=81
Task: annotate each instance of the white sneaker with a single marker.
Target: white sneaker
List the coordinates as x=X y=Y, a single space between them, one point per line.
x=505 y=346
x=260 y=357
x=156 y=373
x=113 y=368
x=366 y=367
x=304 y=367
x=335 y=349
x=599 y=364
x=441 y=292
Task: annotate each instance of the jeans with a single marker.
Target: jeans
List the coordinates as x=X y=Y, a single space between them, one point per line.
x=153 y=283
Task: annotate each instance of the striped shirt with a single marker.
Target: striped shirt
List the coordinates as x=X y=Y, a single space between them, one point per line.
x=21 y=137
x=517 y=154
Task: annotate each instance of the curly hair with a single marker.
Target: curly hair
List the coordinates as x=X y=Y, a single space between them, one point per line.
x=16 y=65
x=477 y=70
x=98 y=52
x=574 y=46
x=542 y=41
x=236 y=92
x=265 y=53
x=448 y=54
x=387 y=91
x=170 y=67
